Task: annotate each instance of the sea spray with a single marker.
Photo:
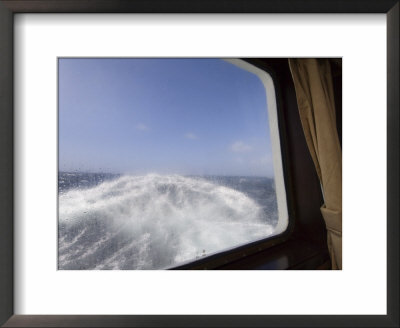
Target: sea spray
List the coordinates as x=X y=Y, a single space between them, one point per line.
x=153 y=222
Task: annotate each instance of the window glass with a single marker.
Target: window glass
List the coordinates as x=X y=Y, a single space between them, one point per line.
x=164 y=161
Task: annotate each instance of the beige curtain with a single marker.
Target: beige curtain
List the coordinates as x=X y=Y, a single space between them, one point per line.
x=314 y=91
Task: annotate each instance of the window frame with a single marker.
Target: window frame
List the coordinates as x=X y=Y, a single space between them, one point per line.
x=234 y=253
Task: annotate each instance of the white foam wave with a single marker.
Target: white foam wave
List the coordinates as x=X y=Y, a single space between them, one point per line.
x=153 y=222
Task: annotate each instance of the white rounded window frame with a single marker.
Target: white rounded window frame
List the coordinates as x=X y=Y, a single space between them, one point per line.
x=266 y=79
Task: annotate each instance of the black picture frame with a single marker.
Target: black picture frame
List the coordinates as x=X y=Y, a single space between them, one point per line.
x=7 y=10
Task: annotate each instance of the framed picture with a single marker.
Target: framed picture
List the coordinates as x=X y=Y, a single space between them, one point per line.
x=71 y=77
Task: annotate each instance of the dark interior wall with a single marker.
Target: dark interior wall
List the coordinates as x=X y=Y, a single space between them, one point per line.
x=304 y=184
x=304 y=190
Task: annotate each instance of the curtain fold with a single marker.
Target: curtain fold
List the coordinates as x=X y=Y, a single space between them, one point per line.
x=314 y=92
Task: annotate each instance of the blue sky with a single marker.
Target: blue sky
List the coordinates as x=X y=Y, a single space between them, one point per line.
x=183 y=116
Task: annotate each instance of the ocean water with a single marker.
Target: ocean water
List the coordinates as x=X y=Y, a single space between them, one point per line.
x=111 y=221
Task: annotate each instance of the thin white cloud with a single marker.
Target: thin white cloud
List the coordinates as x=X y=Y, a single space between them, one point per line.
x=142 y=127
x=266 y=160
x=190 y=136
x=240 y=147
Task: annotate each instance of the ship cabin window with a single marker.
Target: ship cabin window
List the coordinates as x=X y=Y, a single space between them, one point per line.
x=167 y=162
